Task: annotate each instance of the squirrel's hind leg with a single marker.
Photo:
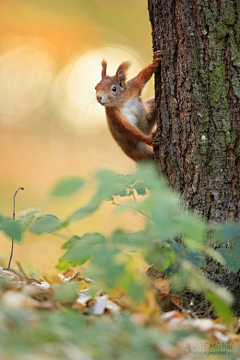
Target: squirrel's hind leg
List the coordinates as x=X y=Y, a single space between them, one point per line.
x=149 y=105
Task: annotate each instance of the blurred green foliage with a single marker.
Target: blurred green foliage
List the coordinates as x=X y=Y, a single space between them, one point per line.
x=66 y=335
x=173 y=239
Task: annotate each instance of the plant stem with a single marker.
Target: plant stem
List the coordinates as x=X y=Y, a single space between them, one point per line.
x=134 y=195
x=212 y=262
x=59 y=235
x=139 y=211
x=14 y=202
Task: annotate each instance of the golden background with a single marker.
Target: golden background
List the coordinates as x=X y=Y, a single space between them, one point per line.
x=51 y=126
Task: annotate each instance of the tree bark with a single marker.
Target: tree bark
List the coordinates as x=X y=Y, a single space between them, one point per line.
x=197 y=91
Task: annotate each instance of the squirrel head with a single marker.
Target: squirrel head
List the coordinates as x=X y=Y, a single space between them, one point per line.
x=110 y=90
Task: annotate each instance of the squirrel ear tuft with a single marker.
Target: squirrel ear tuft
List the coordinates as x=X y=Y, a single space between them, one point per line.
x=121 y=73
x=104 y=68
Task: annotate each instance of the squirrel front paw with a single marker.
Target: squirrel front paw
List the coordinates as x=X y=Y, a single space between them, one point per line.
x=158 y=55
x=155 y=141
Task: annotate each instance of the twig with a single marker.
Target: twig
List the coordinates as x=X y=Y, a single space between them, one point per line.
x=58 y=234
x=139 y=211
x=206 y=305
x=14 y=201
x=212 y=262
x=179 y=307
x=39 y=279
x=134 y=195
x=29 y=280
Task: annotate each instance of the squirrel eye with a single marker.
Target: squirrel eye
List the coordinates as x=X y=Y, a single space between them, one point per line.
x=95 y=87
x=114 y=88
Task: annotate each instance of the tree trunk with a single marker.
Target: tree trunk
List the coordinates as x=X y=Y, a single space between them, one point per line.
x=198 y=101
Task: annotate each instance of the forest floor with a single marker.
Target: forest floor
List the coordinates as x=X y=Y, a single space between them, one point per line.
x=60 y=317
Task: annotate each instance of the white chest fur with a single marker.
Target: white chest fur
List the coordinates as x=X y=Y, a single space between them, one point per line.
x=133 y=110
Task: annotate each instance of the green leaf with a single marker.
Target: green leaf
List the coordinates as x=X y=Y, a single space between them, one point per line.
x=215 y=255
x=107 y=180
x=84 y=212
x=64 y=264
x=178 y=248
x=232 y=257
x=121 y=191
x=68 y=243
x=221 y=307
x=107 y=266
x=4 y=218
x=81 y=250
x=123 y=185
x=227 y=232
x=192 y=228
x=140 y=188
x=197 y=258
x=27 y=216
x=29 y=212
x=148 y=173
x=45 y=223
x=27 y=221
x=133 y=283
x=161 y=256
x=67 y=187
x=13 y=229
x=135 y=239
x=65 y=293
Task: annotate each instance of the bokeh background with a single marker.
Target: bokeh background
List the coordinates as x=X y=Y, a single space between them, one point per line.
x=51 y=126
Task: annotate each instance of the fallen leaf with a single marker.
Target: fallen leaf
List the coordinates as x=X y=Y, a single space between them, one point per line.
x=83 y=297
x=99 y=305
x=173 y=318
x=112 y=307
x=162 y=285
x=220 y=337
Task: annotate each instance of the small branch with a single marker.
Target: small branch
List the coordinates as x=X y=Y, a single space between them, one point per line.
x=59 y=235
x=134 y=195
x=14 y=202
x=206 y=305
x=139 y=211
x=206 y=267
x=176 y=304
x=29 y=280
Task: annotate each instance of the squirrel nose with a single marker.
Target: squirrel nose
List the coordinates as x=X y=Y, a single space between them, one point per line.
x=99 y=98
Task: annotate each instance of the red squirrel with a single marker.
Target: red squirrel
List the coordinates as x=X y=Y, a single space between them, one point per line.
x=130 y=120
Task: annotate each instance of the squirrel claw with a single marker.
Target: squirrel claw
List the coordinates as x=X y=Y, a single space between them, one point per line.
x=158 y=55
x=155 y=141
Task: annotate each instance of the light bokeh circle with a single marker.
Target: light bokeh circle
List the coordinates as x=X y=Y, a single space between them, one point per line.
x=73 y=93
x=26 y=75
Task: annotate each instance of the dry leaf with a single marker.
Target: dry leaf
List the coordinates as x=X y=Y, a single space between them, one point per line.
x=173 y=318
x=43 y=286
x=83 y=297
x=112 y=307
x=233 y=327
x=99 y=305
x=162 y=285
x=220 y=337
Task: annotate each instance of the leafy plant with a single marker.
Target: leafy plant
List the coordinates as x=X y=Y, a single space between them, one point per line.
x=173 y=239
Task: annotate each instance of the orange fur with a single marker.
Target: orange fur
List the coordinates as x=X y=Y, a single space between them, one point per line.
x=104 y=69
x=129 y=120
